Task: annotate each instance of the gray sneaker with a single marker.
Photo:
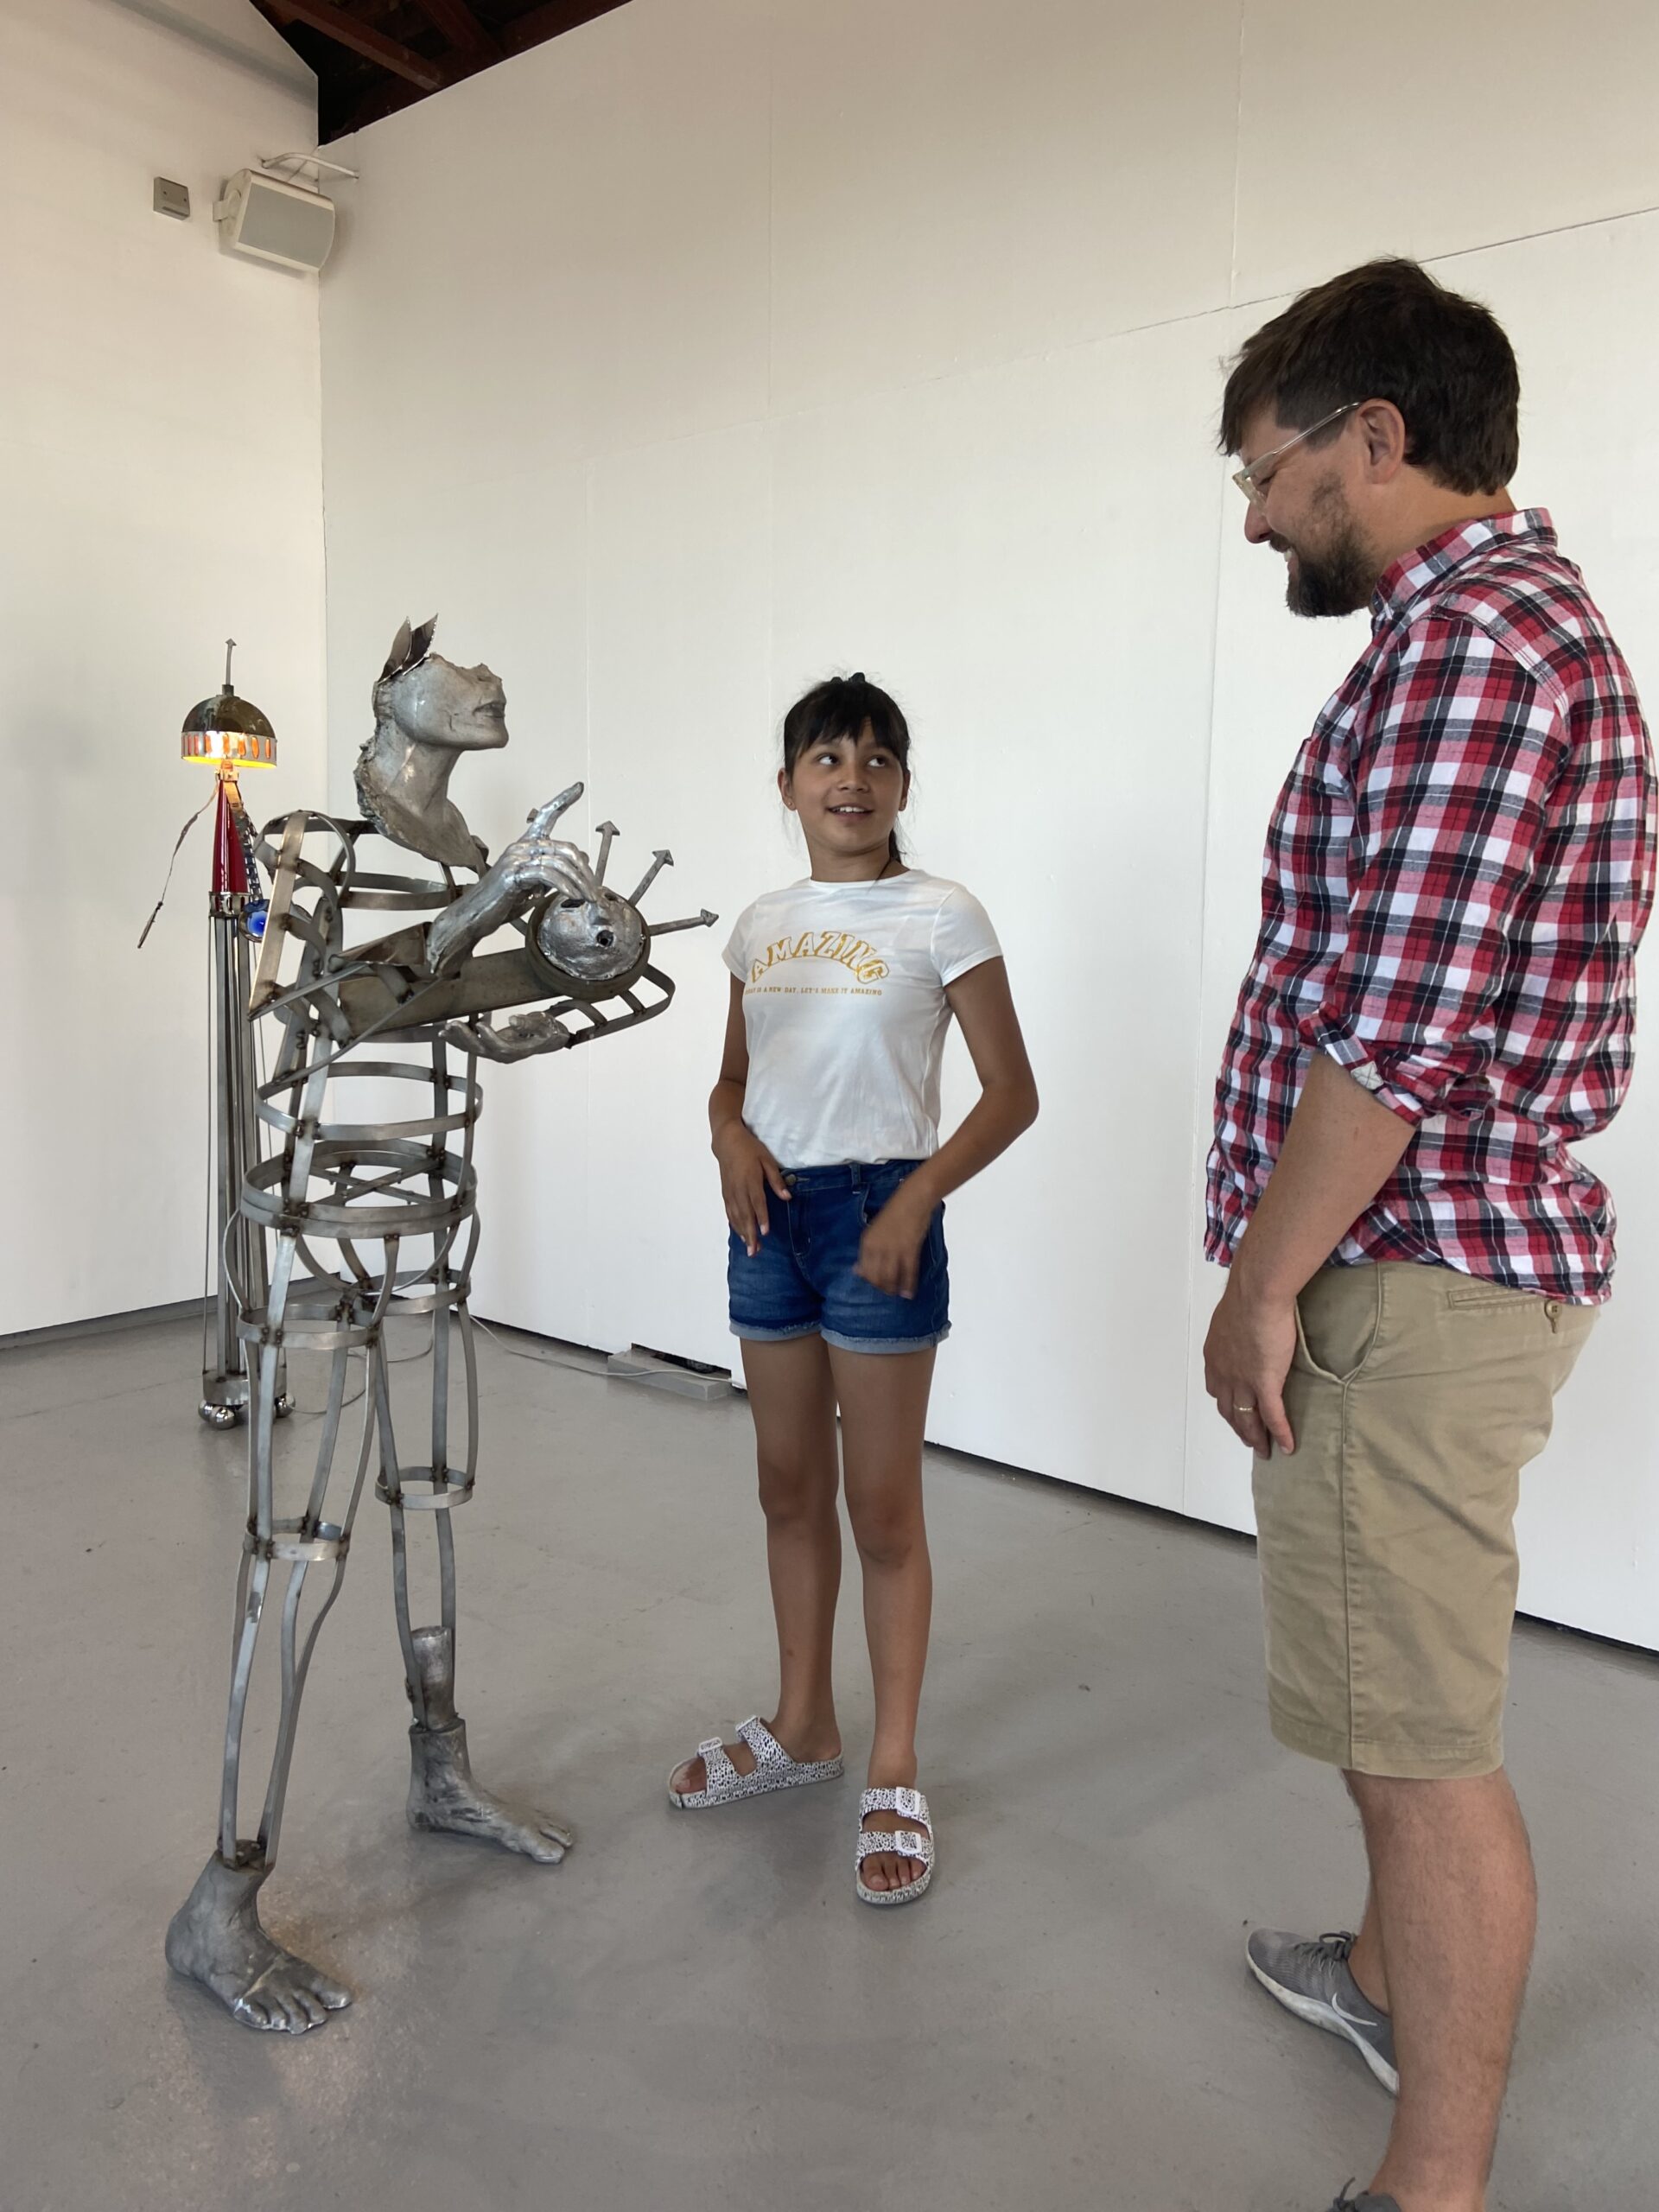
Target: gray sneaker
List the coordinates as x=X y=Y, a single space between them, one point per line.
x=1346 y=2203
x=1311 y=1978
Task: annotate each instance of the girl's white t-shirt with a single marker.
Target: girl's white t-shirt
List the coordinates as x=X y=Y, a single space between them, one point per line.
x=844 y=1005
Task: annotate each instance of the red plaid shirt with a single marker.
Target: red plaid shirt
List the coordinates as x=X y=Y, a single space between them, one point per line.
x=1457 y=877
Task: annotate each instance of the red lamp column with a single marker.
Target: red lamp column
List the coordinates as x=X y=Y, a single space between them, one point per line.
x=229 y=734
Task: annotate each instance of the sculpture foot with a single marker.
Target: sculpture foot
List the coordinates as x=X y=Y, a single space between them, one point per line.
x=444 y=1799
x=215 y=1938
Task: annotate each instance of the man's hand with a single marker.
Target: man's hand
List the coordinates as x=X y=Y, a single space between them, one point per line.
x=1247 y=1356
x=890 y=1250
x=1341 y=1148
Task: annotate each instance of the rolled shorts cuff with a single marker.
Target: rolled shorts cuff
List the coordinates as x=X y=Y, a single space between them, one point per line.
x=885 y=1344
x=750 y=1335
x=1466 y=1762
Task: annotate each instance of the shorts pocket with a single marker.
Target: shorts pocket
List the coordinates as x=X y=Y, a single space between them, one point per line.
x=1495 y=1297
x=1339 y=1319
x=879 y=1188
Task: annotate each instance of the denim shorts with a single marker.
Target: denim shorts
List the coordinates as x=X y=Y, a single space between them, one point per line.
x=801 y=1282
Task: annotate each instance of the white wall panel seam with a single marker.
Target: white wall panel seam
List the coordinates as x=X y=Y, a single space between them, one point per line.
x=1238 y=155
x=1196 y=1262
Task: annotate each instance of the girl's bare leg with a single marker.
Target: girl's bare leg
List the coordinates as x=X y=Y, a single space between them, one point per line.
x=791 y=1396
x=883 y=1417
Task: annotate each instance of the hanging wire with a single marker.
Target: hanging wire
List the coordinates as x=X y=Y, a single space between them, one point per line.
x=177 y=847
x=542 y=1359
x=514 y=1351
x=401 y=1359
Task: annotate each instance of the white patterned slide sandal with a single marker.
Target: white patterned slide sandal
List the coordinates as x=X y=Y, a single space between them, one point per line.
x=903 y=1843
x=773 y=1770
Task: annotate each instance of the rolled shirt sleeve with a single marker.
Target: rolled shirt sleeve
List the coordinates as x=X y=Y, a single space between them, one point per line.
x=1461 y=747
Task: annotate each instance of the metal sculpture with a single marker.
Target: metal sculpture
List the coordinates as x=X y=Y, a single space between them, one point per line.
x=360 y=1221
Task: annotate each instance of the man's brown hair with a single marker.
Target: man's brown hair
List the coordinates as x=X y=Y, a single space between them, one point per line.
x=1388 y=331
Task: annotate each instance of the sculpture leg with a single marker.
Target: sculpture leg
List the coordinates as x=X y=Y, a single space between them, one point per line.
x=443 y=1796
x=215 y=1937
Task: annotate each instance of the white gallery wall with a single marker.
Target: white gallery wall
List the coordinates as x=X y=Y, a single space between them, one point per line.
x=160 y=490
x=724 y=343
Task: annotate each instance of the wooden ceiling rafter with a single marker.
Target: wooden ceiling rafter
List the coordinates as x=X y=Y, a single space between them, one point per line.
x=374 y=57
x=462 y=27
x=359 y=38
x=551 y=20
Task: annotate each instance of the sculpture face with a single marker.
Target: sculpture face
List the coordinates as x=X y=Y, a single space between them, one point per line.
x=595 y=939
x=435 y=703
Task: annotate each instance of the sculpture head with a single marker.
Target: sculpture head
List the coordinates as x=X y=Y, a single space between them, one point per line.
x=596 y=940
x=434 y=702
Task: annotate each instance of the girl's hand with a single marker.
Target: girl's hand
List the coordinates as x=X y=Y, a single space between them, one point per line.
x=747 y=1172
x=890 y=1251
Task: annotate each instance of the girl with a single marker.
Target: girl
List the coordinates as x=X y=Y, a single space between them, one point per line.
x=825 y=1124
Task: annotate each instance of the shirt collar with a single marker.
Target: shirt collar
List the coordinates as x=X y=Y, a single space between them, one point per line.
x=1418 y=572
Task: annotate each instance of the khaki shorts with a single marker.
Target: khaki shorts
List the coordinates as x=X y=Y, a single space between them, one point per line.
x=1388 y=1552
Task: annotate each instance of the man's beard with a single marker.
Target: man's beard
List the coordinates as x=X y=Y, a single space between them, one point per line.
x=1339 y=579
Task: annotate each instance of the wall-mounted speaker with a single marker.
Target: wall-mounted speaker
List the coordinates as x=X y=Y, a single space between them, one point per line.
x=267 y=219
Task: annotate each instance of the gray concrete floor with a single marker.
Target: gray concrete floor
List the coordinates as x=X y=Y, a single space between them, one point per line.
x=693 y=2011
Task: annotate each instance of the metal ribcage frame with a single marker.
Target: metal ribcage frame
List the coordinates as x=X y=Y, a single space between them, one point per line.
x=370 y=1190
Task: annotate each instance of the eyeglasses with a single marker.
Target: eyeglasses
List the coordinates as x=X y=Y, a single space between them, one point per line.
x=1246 y=479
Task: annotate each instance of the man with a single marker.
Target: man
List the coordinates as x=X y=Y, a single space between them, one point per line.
x=1457 y=877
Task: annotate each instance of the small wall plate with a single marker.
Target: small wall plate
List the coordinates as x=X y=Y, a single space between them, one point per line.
x=172 y=199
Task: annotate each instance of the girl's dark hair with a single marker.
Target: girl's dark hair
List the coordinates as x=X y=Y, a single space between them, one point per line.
x=841 y=707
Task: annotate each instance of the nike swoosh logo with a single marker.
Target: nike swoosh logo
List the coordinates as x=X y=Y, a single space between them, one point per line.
x=1354 y=2019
